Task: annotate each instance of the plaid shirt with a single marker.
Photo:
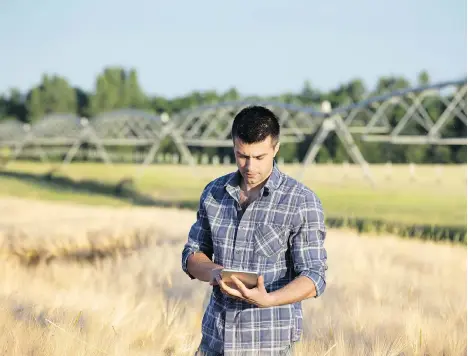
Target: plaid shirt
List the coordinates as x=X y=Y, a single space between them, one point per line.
x=280 y=235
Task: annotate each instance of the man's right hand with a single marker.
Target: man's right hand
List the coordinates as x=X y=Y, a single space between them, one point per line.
x=203 y=269
x=215 y=273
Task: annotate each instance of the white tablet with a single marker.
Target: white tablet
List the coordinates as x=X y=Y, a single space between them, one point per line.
x=248 y=278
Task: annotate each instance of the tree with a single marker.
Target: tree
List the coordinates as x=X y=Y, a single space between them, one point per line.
x=439 y=154
x=416 y=153
x=423 y=78
x=15 y=105
x=3 y=107
x=356 y=90
x=35 y=105
x=460 y=155
x=110 y=92
x=53 y=95
x=117 y=88
x=133 y=94
x=308 y=94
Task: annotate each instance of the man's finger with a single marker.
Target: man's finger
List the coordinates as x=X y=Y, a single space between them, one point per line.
x=261 y=284
x=243 y=289
x=229 y=290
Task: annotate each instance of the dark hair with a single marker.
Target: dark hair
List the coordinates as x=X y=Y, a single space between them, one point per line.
x=254 y=124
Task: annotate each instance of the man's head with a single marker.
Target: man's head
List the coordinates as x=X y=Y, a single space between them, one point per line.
x=255 y=133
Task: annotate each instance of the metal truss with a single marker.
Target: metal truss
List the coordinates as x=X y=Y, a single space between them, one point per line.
x=418 y=125
x=334 y=123
x=210 y=126
x=127 y=127
x=52 y=130
x=12 y=135
x=131 y=127
x=370 y=120
x=57 y=130
x=413 y=116
x=11 y=132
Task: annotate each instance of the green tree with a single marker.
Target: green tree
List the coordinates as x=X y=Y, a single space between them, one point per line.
x=416 y=153
x=460 y=155
x=356 y=90
x=439 y=154
x=16 y=106
x=117 y=88
x=110 y=92
x=35 y=105
x=423 y=78
x=288 y=151
x=53 y=95
x=134 y=96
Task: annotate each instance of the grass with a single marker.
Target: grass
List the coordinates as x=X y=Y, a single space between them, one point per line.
x=435 y=196
x=23 y=189
x=87 y=280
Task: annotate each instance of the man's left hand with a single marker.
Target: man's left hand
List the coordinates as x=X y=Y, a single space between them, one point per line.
x=257 y=295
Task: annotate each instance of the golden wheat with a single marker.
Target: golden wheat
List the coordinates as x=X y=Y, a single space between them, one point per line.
x=107 y=281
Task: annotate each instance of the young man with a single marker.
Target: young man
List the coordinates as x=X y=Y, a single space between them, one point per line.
x=256 y=219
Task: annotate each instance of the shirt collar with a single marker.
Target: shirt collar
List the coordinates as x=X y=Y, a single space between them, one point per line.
x=273 y=181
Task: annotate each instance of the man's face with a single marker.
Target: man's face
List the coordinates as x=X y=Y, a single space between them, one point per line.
x=255 y=160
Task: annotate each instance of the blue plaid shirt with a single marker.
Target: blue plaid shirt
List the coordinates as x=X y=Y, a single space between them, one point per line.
x=280 y=235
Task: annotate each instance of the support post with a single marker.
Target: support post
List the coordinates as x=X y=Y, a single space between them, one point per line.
x=335 y=123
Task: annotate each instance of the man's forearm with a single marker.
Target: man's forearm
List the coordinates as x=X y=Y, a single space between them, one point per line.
x=200 y=266
x=297 y=290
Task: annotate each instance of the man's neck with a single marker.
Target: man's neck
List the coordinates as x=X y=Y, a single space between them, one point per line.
x=252 y=189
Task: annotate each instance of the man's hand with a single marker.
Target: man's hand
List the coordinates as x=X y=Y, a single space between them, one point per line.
x=201 y=267
x=215 y=273
x=257 y=295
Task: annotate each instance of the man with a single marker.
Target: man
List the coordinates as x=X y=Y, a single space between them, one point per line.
x=256 y=219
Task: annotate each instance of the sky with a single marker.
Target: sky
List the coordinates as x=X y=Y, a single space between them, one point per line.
x=262 y=47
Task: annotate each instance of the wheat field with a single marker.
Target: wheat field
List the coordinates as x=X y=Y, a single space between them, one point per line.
x=95 y=280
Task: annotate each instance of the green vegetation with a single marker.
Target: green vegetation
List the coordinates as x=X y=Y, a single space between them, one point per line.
x=117 y=88
x=428 y=205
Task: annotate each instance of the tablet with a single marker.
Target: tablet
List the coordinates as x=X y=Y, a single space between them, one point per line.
x=248 y=278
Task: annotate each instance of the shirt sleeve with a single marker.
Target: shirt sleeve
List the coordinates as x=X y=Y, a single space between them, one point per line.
x=307 y=244
x=199 y=237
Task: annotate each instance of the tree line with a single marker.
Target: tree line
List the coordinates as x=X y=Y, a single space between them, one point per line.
x=117 y=88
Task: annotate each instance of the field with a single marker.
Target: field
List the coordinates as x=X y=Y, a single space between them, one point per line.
x=431 y=195
x=95 y=280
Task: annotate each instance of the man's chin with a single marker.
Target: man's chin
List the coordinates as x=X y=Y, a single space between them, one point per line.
x=251 y=180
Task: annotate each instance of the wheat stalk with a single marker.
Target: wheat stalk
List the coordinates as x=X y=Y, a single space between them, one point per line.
x=74 y=337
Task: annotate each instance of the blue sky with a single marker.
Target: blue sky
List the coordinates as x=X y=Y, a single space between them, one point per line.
x=259 y=46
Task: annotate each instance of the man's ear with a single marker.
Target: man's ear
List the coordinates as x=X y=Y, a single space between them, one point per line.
x=277 y=149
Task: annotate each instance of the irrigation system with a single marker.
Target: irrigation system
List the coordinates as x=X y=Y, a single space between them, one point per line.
x=210 y=126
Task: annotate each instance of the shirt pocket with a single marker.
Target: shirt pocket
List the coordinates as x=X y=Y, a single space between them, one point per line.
x=270 y=243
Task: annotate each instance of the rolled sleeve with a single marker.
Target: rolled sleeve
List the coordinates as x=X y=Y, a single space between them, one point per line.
x=199 y=238
x=307 y=245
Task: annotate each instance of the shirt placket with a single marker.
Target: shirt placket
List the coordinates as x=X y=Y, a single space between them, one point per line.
x=231 y=327
x=240 y=240
x=239 y=243
x=237 y=257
